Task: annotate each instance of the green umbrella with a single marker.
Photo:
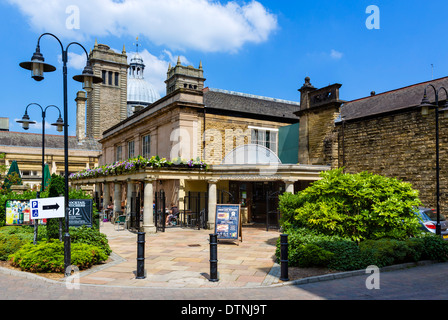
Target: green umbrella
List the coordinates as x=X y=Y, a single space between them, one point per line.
x=47 y=178
x=13 y=176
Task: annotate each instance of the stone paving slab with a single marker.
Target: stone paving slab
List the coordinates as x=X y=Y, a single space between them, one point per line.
x=180 y=258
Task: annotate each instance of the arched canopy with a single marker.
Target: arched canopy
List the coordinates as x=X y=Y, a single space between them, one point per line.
x=251 y=154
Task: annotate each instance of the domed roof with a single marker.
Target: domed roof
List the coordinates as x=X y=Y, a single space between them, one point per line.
x=141 y=92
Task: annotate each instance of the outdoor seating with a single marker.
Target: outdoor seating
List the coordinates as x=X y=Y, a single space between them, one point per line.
x=120 y=221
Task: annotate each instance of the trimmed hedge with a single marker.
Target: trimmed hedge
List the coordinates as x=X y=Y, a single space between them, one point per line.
x=310 y=249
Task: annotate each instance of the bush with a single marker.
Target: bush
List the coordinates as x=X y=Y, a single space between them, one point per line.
x=356 y=206
x=90 y=236
x=309 y=249
x=49 y=256
x=12 y=239
x=311 y=255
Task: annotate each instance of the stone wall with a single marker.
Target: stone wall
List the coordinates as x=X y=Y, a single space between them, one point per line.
x=400 y=145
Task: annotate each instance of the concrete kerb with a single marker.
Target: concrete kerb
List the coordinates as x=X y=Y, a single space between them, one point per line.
x=275 y=271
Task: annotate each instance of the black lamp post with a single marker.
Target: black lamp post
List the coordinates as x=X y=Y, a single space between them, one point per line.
x=38 y=67
x=26 y=125
x=425 y=106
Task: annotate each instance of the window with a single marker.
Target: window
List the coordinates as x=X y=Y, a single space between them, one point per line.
x=265 y=137
x=110 y=77
x=104 y=76
x=146 y=143
x=118 y=153
x=131 y=149
x=116 y=79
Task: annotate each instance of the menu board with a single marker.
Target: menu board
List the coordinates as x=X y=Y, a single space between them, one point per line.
x=228 y=221
x=80 y=212
x=17 y=212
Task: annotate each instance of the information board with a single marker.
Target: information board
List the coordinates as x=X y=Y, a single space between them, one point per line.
x=80 y=212
x=17 y=212
x=228 y=222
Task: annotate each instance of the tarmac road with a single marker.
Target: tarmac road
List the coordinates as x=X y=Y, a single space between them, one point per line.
x=428 y=282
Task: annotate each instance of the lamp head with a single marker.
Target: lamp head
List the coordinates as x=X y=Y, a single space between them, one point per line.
x=59 y=124
x=26 y=121
x=88 y=78
x=425 y=105
x=37 y=66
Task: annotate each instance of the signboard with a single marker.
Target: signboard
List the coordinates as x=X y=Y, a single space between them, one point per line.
x=80 y=212
x=47 y=208
x=228 y=222
x=17 y=212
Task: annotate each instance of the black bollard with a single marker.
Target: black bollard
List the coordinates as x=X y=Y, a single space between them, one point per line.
x=284 y=257
x=213 y=258
x=141 y=255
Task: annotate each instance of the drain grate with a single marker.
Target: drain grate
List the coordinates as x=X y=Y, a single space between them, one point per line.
x=194 y=245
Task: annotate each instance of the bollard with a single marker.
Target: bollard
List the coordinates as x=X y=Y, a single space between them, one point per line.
x=213 y=258
x=141 y=255
x=284 y=257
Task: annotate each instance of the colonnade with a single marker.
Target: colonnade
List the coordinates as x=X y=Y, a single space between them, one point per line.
x=148 y=198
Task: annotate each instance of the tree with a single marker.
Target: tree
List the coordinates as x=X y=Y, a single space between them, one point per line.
x=56 y=189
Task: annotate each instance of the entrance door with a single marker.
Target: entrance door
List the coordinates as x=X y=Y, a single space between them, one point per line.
x=252 y=196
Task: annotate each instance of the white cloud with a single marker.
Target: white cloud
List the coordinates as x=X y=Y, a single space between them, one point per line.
x=75 y=61
x=336 y=54
x=205 y=25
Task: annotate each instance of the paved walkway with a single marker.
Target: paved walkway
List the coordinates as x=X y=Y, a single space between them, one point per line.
x=180 y=258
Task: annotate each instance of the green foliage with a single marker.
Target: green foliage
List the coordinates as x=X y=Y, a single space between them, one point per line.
x=90 y=236
x=49 y=256
x=356 y=206
x=12 y=239
x=310 y=249
x=56 y=189
x=311 y=255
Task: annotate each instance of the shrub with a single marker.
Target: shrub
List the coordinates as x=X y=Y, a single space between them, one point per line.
x=12 y=239
x=311 y=255
x=90 y=236
x=434 y=248
x=356 y=206
x=49 y=256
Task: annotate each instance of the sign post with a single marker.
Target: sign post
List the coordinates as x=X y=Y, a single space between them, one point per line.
x=228 y=222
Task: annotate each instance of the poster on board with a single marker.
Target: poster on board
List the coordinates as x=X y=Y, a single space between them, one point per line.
x=17 y=212
x=228 y=222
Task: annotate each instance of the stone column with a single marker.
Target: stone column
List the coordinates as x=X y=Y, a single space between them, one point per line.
x=106 y=195
x=212 y=201
x=117 y=198
x=148 y=214
x=289 y=186
x=131 y=189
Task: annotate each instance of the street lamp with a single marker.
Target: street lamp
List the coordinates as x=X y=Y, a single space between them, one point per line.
x=26 y=125
x=425 y=105
x=38 y=67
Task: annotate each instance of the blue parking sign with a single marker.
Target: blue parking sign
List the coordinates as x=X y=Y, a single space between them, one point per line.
x=34 y=204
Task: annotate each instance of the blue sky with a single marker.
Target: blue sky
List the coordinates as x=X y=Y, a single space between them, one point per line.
x=259 y=47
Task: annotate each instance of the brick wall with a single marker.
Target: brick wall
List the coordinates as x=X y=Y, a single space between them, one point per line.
x=400 y=145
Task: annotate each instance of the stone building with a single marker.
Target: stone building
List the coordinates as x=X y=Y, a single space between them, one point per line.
x=382 y=133
x=236 y=134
